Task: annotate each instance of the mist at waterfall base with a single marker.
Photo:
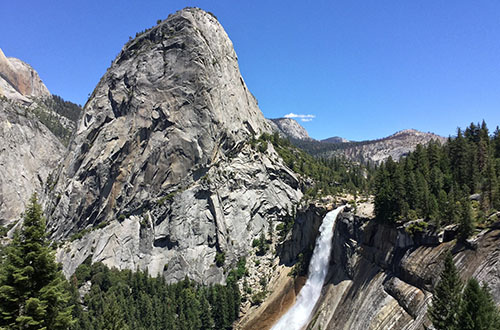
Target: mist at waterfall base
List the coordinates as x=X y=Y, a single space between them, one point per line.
x=300 y=313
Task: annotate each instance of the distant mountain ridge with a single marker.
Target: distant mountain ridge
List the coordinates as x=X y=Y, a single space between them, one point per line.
x=376 y=151
x=396 y=146
x=335 y=139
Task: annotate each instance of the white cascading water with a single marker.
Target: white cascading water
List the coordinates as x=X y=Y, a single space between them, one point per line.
x=298 y=315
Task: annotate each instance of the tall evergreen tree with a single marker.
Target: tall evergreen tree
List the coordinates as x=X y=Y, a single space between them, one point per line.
x=465 y=225
x=478 y=310
x=33 y=291
x=446 y=300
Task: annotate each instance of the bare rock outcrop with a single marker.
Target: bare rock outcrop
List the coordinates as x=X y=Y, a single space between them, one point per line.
x=290 y=128
x=387 y=276
x=34 y=127
x=396 y=146
x=29 y=152
x=160 y=174
x=19 y=81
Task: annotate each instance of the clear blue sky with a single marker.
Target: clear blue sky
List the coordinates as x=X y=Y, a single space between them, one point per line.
x=363 y=68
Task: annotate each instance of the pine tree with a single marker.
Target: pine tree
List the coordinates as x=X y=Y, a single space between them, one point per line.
x=478 y=310
x=496 y=142
x=33 y=291
x=465 y=225
x=113 y=317
x=446 y=300
x=206 y=318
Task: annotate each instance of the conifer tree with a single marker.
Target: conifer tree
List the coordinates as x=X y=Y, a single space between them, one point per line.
x=113 y=316
x=206 y=318
x=446 y=300
x=478 y=310
x=33 y=291
x=465 y=225
x=496 y=143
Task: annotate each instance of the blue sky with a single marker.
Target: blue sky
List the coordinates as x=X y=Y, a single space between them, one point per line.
x=361 y=69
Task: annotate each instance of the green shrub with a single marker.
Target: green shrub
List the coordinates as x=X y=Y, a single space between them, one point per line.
x=220 y=258
x=258 y=298
x=263 y=146
x=416 y=227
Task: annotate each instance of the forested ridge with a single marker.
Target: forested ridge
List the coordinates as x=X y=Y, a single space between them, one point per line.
x=330 y=176
x=453 y=183
x=51 y=111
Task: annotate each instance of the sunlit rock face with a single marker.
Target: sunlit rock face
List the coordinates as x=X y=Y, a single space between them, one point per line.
x=29 y=152
x=19 y=81
x=160 y=171
x=290 y=128
x=383 y=278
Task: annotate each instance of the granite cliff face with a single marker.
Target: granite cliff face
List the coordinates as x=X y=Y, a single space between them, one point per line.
x=19 y=81
x=160 y=174
x=29 y=152
x=387 y=275
x=290 y=128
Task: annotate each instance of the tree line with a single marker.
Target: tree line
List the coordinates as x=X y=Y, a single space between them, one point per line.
x=34 y=294
x=457 y=182
x=134 y=300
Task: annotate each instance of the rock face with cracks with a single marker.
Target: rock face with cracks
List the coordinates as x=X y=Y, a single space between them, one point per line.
x=160 y=175
x=19 y=81
x=29 y=153
x=290 y=128
x=387 y=276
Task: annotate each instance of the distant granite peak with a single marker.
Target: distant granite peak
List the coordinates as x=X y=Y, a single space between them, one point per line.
x=335 y=139
x=396 y=146
x=19 y=81
x=290 y=128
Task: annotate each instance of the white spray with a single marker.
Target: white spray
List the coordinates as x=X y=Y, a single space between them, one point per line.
x=299 y=314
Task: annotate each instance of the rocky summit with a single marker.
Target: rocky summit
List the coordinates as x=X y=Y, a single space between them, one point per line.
x=160 y=174
x=290 y=128
x=19 y=81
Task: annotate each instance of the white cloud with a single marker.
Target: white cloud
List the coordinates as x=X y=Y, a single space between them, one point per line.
x=303 y=118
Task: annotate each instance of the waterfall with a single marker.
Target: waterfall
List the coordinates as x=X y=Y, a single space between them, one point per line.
x=298 y=315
